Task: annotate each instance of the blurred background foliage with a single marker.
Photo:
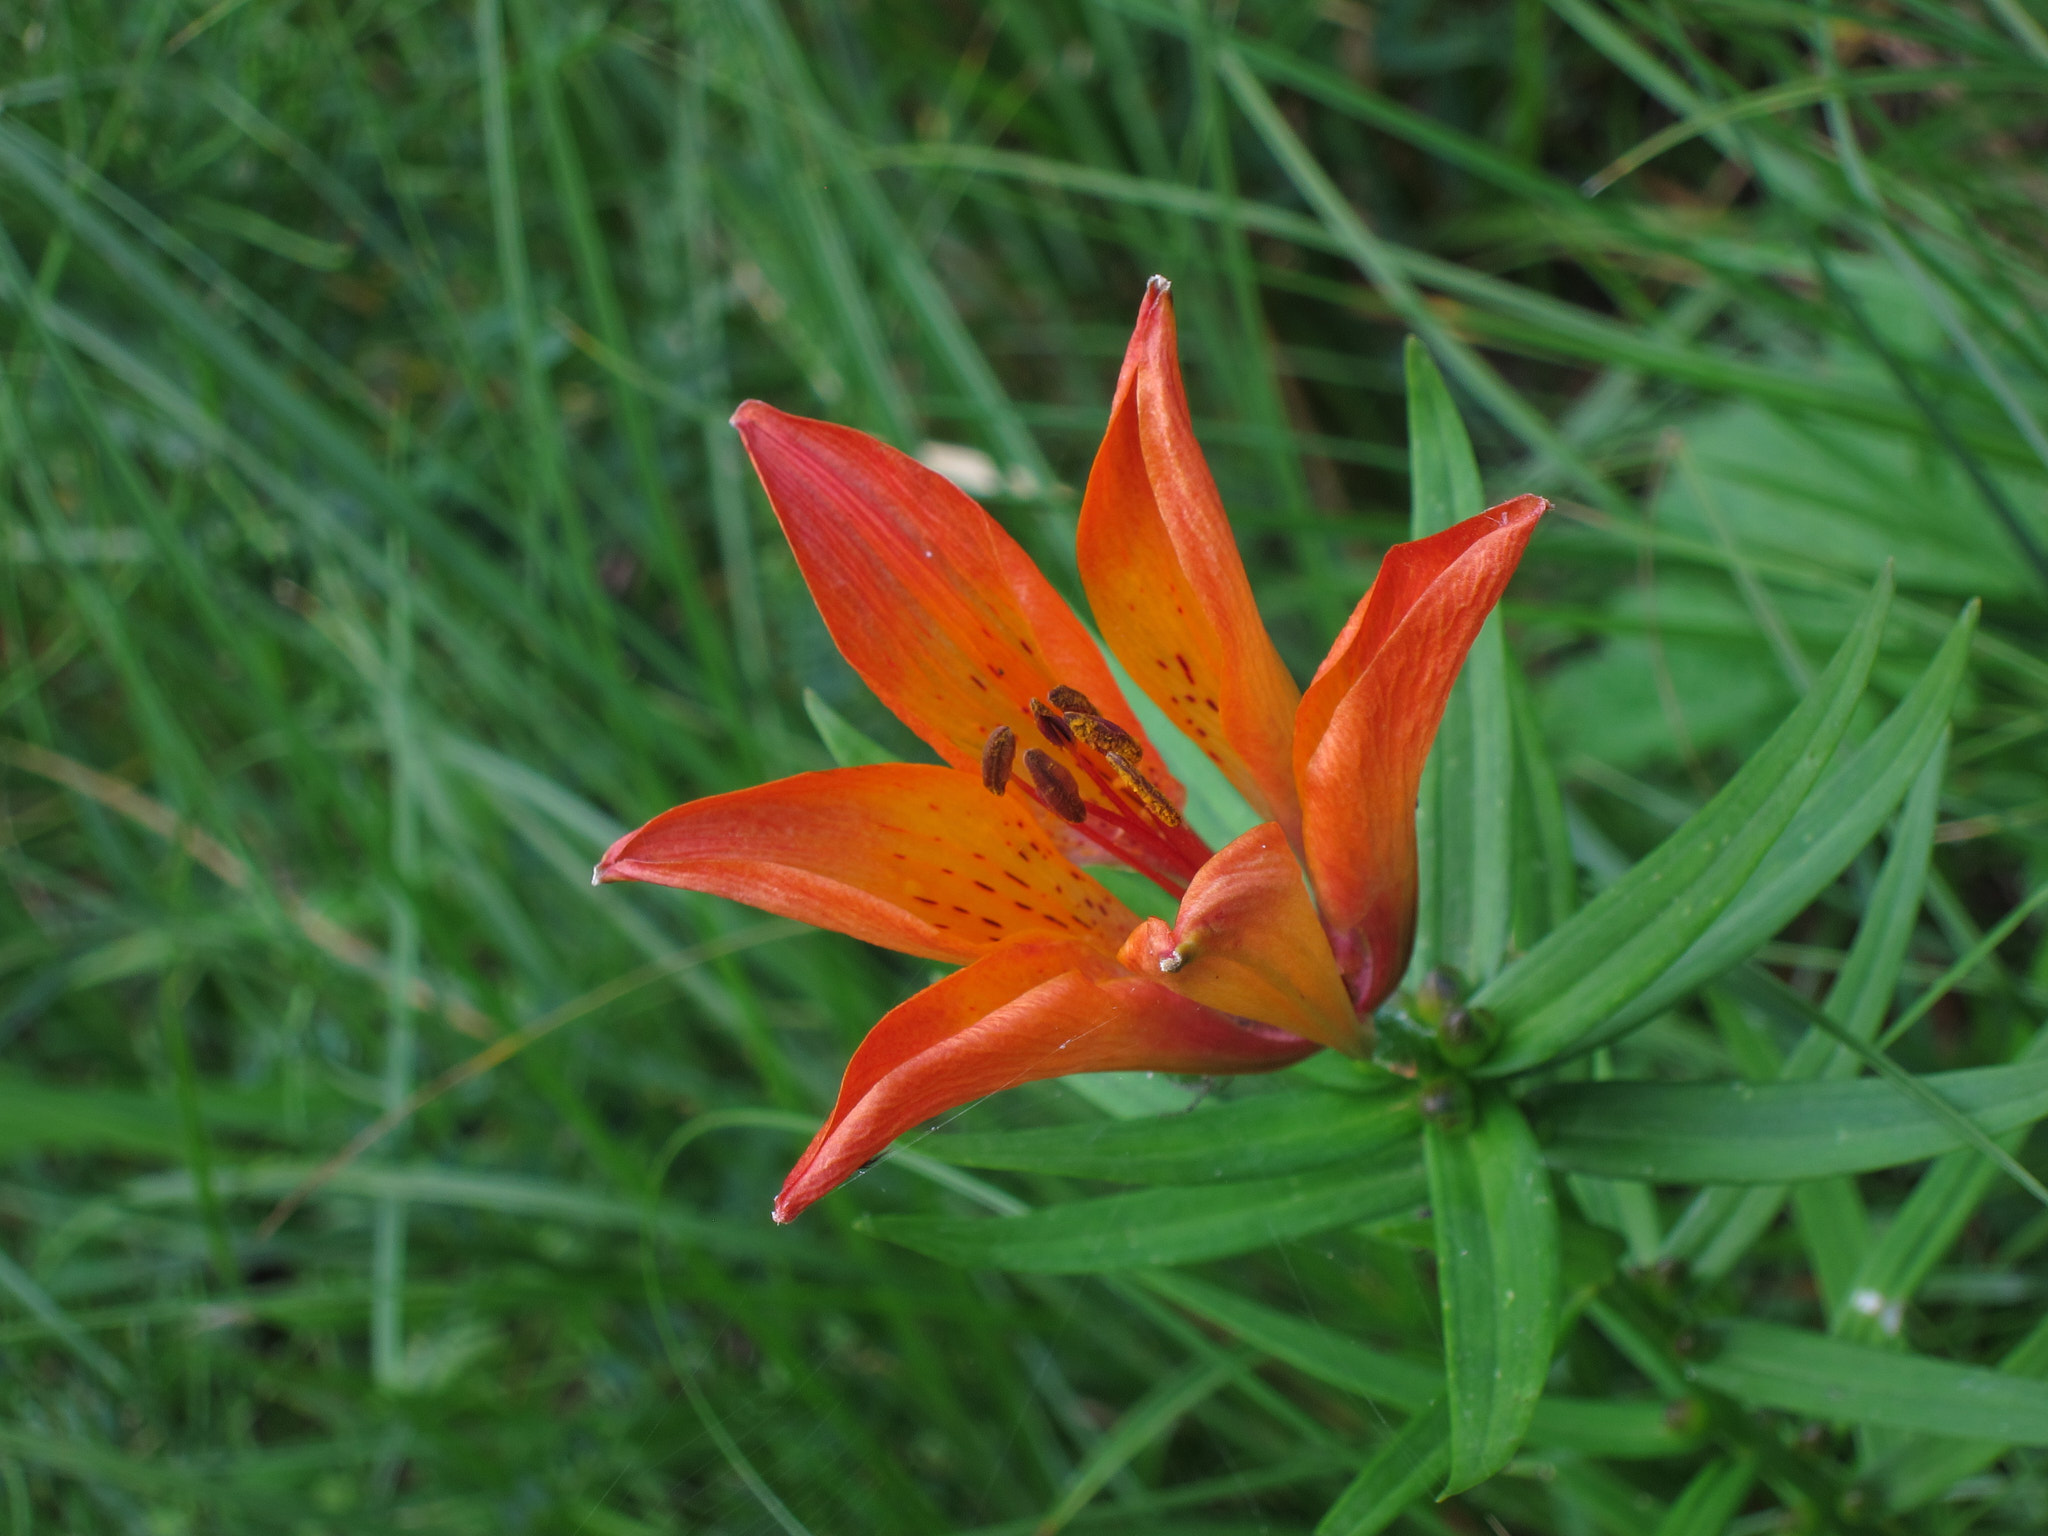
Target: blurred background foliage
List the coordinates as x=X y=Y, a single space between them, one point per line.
x=375 y=550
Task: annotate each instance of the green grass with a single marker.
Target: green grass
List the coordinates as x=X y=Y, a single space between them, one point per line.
x=374 y=550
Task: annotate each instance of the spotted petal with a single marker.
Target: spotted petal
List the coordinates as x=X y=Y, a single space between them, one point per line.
x=910 y=856
x=933 y=604
x=1166 y=584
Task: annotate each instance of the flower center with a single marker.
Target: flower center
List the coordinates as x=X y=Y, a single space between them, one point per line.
x=1117 y=808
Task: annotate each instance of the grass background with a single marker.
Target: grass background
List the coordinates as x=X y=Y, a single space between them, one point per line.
x=375 y=550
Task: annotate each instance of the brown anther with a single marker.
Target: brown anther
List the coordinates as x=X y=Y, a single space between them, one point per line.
x=1105 y=736
x=997 y=755
x=1071 y=701
x=1055 y=786
x=1051 y=726
x=1143 y=788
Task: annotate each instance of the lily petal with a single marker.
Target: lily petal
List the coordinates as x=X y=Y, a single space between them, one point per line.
x=1247 y=941
x=934 y=605
x=910 y=856
x=1364 y=729
x=1166 y=584
x=1033 y=1009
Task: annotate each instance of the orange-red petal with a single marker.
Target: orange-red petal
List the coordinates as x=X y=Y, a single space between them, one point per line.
x=910 y=856
x=1365 y=726
x=933 y=604
x=1033 y=1009
x=1246 y=941
x=1166 y=584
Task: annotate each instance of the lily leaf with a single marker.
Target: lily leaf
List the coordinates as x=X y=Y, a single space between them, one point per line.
x=1761 y=1133
x=1768 y=1366
x=1838 y=819
x=1556 y=999
x=1628 y=1428
x=1250 y=1138
x=1497 y=1268
x=1165 y=1226
x=1463 y=828
x=1373 y=1374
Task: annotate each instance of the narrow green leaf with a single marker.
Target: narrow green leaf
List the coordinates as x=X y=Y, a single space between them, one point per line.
x=1768 y=1366
x=1148 y=1421
x=1497 y=1269
x=1755 y=1133
x=1760 y=984
x=1244 y=1139
x=1330 y=1357
x=1556 y=998
x=1553 y=881
x=1710 y=1500
x=1626 y=1428
x=1443 y=475
x=1164 y=1226
x=850 y=746
x=1923 y=1469
x=1464 y=826
x=1839 y=817
x=1398 y=1474
x=1830 y=1213
x=34 y=1300
x=1868 y=1307
x=1607 y=1501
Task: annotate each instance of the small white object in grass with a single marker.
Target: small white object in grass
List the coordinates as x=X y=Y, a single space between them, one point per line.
x=969 y=468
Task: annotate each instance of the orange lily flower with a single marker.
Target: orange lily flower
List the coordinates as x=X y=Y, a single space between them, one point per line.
x=977 y=862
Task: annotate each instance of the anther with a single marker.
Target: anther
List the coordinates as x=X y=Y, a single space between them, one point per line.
x=1071 y=701
x=1105 y=736
x=1052 y=726
x=1056 y=786
x=996 y=757
x=1147 y=795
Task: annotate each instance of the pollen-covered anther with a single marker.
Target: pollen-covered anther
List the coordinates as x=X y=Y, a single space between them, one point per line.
x=1143 y=790
x=1071 y=701
x=1055 y=786
x=1105 y=736
x=997 y=755
x=1172 y=961
x=1052 y=725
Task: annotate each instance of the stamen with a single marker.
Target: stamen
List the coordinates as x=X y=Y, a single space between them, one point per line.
x=1071 y=701
x=996 y=758
x=1056 y=786
x=1142 y=787
x=1105 y=736
x=1052 y=727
